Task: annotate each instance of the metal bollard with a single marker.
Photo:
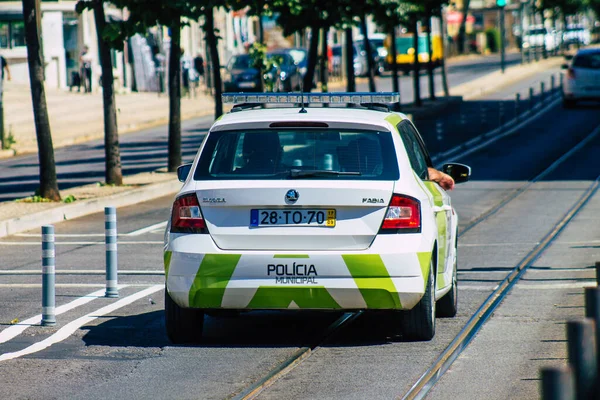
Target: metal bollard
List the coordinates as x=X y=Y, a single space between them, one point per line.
x=110 y=226
x=439 y=129
x=592 y=311
x=582 y=355
x=542 y=92
x=48 y=276
x=517 y=105
x=560 y=81
x=501 y=114
x=598 y=273
x=531 y=99
x=557 y=383
x=552 y=83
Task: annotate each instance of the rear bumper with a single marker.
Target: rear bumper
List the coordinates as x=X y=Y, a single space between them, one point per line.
x=573 y=92
x=391 y=278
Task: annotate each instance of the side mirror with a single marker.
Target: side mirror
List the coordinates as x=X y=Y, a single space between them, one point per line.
x=564 y=66
x=459 y=172
x=569 y=57
x=183 y=171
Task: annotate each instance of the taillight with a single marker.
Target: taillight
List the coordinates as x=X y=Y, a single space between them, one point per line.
x=403 y=215
x=186 y=216
x=571 y=73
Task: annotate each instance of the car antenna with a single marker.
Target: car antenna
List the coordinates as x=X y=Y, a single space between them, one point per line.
x=302 y=109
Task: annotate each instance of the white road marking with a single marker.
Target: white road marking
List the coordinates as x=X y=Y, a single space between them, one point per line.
x=148 y=229
x=15 y=330
x=73 y=326
x=530 y=269
x=75 y=243
x=65 y=235
x=82 y=272
x=554 y=286
x=66 y=285
x=587 y=242
x=533 y=286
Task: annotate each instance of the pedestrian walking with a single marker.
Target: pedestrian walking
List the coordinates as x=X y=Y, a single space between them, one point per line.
x=186 y=66
x=199 y=66
x=86 y=69
x=5 y=72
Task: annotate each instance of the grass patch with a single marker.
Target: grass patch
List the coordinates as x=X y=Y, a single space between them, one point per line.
x=39 y=199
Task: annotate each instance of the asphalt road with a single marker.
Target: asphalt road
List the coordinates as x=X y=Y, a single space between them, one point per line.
x=123 y=353
x=147 y=150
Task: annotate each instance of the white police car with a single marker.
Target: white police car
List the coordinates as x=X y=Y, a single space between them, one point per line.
x=311 y=209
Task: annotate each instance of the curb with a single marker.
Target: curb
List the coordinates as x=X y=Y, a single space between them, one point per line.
x=496 y=80
x=86 y=207
x=7 y=153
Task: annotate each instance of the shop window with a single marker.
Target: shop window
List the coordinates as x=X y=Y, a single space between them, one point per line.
x=4 y=35
x=12 y=34
x=17 y=34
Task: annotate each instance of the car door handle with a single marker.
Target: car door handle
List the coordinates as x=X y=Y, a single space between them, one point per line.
x=444 y=208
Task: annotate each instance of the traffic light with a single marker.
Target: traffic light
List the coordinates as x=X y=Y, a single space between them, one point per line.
x=501 y=3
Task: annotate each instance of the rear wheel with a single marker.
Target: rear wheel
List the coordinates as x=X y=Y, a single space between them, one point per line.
x=447 y=306
x=419 y=323
x=184 y=325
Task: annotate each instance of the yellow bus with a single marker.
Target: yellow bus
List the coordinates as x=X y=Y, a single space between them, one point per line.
x=405 y=52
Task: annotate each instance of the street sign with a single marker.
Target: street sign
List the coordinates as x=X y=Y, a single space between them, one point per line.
x=501 y=3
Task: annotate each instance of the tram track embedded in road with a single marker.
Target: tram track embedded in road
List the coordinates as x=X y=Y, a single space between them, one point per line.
x=477 y=320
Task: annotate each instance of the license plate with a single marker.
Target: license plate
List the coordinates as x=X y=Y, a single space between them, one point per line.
x=293 y=217
x=247 y=84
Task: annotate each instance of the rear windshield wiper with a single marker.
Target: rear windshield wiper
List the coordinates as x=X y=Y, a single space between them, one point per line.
x=301 y=173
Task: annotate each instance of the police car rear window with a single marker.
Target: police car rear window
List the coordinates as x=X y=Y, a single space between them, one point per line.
x=295 y=153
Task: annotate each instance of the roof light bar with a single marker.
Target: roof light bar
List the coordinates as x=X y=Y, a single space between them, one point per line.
x=312 y=98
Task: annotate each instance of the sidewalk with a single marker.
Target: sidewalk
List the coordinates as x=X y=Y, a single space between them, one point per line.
x=78 y=117
x=138 y=110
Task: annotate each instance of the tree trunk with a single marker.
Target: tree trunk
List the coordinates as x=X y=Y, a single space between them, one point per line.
x=563 y=46
x=175 y=98
x=324 y=60
x=350 y=83
x=430 y=56
x=313 y=52
x=261 y=30
x=211 y=39
x=443 y=59
x=113 y=173
x=367 y=46
x=48 y=182
x=462 y=30
x=416 y=64
x=394 y=65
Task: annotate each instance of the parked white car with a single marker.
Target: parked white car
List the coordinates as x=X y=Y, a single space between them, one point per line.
x=582 y=80
x=577 y=34
x=538 y=36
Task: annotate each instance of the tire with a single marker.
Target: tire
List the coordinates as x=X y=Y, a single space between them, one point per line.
x=419 y=323
x=569 y=103
x=447 y=306
x=183 y=325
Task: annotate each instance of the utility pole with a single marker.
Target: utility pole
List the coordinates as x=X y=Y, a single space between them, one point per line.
x=501 y=4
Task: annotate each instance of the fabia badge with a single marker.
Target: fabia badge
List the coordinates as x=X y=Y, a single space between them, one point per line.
x=292 y=196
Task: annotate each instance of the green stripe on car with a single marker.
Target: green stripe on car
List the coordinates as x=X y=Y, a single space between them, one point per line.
x=373 y=280
x=167 y=260
x=211 y=280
